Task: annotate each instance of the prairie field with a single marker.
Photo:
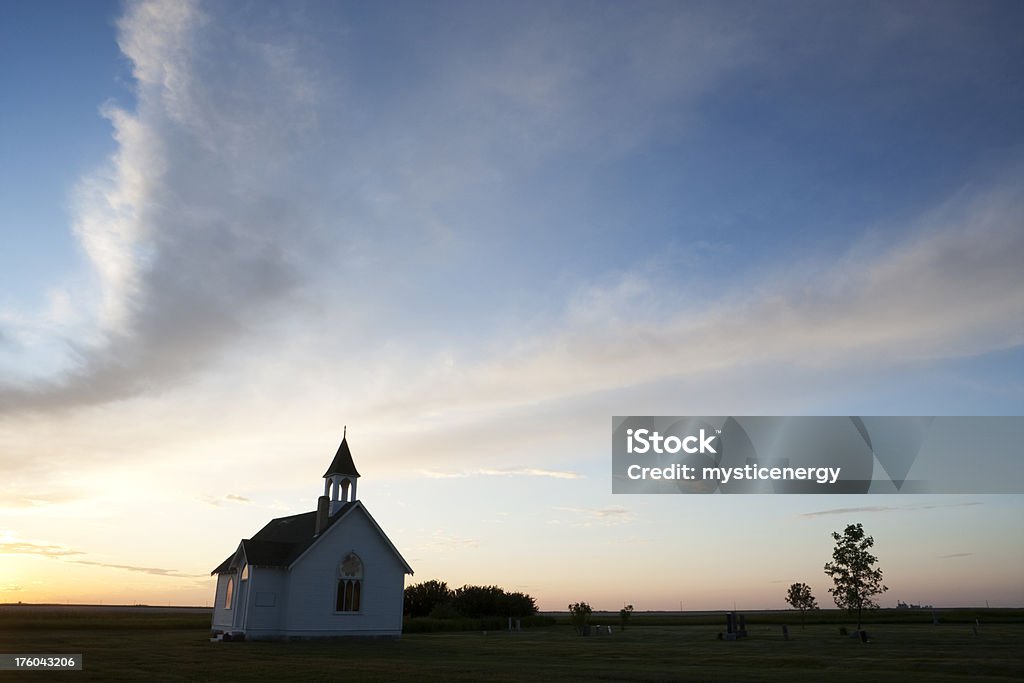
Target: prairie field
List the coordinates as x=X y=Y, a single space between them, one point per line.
x=173 y=644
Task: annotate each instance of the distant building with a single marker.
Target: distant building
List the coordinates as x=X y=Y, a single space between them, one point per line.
x=326 y=573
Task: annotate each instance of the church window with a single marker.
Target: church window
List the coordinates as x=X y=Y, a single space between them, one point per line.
x=245 y=573
x=229 y=593
x=350 y=584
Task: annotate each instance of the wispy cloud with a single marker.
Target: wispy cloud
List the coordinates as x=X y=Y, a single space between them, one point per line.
x=14 y=547
x=949 y=288
x=434 y=474
x=44 y=549
x=35 y=499
x=444 y=540
x=531 y=472
x=220 y=501
x=605 y=516
x=503 y=472
x=954 y=555
x=248 y=174
x=185 y=228
x=158 y=571
x=197 y=242
x=887 y=508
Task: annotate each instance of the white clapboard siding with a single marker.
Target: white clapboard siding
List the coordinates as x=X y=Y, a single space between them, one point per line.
x=264 y=614
x=313 y=580
x=221 y=616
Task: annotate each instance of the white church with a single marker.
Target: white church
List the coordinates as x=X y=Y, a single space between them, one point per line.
x=327 y=573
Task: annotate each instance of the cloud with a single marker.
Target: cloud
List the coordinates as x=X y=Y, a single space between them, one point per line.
x=35 y=499
x=27 y=548
x=443 y=540
x=262 y=192
x=433 y=474
x=219 y=501
x=606 y=516
x=145 y=570
x=252 y=181
x=199 y=224
x=848 y=511
x=531 y=472
x=954 y=555
x=13 y=547
x=946 y=286
x=887 y=508
x=503 y=472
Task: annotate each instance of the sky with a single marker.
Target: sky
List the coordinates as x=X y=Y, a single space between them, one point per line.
x=472 y=233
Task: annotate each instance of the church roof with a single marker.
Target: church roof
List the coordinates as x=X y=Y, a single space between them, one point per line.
x=284 y=539
x=281 y=541
x=342 y=463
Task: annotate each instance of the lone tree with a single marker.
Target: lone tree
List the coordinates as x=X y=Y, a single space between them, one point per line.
x=624 y=614
x=579 y=613
x=799 y=596
x=852 y=569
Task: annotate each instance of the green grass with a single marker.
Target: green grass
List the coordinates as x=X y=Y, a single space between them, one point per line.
x=131 y=646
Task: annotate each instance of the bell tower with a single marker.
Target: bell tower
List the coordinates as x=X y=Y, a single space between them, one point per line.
x=340 y=478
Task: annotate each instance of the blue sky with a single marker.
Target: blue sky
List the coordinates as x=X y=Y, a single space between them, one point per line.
x=472 y=233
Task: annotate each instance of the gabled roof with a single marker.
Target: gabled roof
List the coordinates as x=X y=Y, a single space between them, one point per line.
x=279 y=542
x=267 y=553
x=225 y=566
x=345 y=511
x=285 y=539
x=342 y=463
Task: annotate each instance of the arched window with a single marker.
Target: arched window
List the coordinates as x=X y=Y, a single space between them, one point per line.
x=229 y=593
x=350 y=584
x=245 y=573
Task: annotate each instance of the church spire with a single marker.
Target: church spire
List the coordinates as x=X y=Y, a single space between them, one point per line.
x=340 y=478
x=342 y=463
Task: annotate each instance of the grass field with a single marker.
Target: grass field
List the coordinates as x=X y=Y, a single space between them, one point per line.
x=173 y=645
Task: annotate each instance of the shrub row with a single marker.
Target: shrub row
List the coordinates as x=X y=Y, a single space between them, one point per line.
x=432 y=625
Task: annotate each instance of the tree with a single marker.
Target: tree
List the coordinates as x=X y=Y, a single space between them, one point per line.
x=520 y=605
x=799 y=596
x=422 y=598
x=580 y=613
x=479 y=601
x=852 y=569
x=435 y=599
x=624 y=615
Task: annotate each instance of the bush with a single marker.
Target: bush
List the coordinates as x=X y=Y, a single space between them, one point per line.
x=579 y=613
x=445 y=611
x=435 y=599
x=487 y=601
x=422 y=598
x=432 y=625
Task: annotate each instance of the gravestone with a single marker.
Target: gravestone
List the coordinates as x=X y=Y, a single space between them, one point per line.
x=735 y=626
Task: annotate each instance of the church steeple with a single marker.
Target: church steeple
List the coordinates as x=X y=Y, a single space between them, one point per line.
x=340 y=478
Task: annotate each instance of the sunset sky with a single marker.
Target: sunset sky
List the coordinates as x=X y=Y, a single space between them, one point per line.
x=474 y=232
